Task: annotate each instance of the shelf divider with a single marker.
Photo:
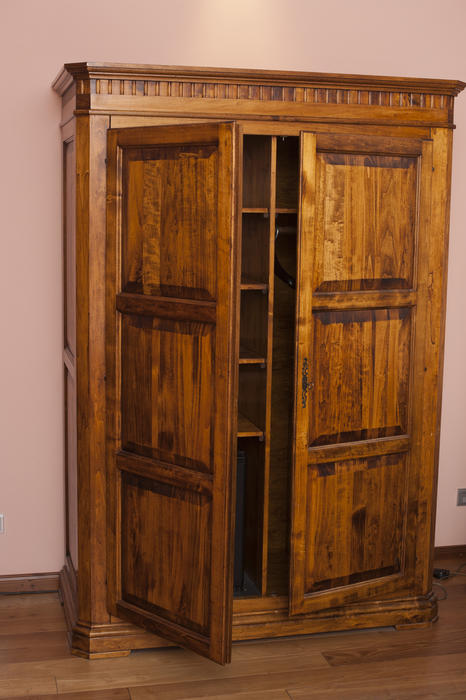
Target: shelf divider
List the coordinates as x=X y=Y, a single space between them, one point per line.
x=268 y=389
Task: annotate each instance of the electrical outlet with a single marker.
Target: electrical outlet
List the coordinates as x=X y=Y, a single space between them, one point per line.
x=2 y=523
x=461 y=499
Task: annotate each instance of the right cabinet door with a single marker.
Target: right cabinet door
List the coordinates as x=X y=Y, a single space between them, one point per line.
x=370 y=271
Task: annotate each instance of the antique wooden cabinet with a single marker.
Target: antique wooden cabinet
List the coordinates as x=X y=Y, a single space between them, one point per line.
x=254 y=274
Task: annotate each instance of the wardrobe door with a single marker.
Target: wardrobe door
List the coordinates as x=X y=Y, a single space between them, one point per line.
x=170 y=265
x=367 y=366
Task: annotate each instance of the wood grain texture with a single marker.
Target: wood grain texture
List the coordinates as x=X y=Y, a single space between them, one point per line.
x=365 y=664
x=163 y=517
x=366 y=378
x=71 y=462
x=254 y=247
x=282 y=406
x=69 y=243
x=365 y=221
x=164 y=379
x=253 y=319
x=112 y=694
x=325 y=80
x=360 y=375
x=450 y=551
x=369 y=190
x=69 y=339
x=166 y=407
x=256 y=172
x=428 y=346
x=90 y=195
x=259 y=190
x=353 y=543
x=166 y=219
x=165 y=88
x=27 y=583
x=303 y=343
x=266 y=109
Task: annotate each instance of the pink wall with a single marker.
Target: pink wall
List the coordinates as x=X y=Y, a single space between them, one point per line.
x=391 y=37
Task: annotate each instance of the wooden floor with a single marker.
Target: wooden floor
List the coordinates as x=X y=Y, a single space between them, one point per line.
x=364 y=665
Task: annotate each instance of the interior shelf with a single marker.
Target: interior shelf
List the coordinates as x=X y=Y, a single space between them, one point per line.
x=256 y=210
x=249 y=357
x=269 y=208
x=254 y=286
x=246 y=428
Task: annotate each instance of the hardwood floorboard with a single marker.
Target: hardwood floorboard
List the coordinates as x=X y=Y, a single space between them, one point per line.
x=260 y=685
x=148 y=694
x=18 y=686
x=376 y=664
x=10 y=642
x=398 y=676
x=421 y=692
x=381 y=680
x=144 y=669
x=432 y=646
x=31 y=613
x=43 y=646
x=113 y=694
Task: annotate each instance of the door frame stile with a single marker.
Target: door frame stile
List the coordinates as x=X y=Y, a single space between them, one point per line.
x=228 y=143
x=215 y=642
x=306 y=223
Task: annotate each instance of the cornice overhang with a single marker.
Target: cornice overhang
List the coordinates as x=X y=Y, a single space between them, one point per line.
x=89 y=70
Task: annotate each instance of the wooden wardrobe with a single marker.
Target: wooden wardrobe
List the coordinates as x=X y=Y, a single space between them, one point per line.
x=255 y=270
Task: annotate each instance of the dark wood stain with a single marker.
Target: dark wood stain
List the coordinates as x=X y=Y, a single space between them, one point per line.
x=366 y=161
x=339 y=534
x=165 y=220
x=165 y=535
x=359 y=285
x=171 y=359
x=362 y=532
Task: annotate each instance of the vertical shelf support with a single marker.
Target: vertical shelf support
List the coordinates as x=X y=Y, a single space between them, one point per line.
x=268 y=397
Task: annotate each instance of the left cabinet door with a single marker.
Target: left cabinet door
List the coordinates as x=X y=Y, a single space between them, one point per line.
x=170 y=396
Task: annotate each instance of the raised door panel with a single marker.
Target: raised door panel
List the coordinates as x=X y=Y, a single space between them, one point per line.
x=365 y=221
x=363 y=227
x=173 y=544
x=167 y=393
x=359 y=534
x=170 y=239
x=360 y=372
x=169 y=384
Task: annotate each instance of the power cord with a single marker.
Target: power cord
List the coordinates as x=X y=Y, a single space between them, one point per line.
x=446 y=574
x=445 y=594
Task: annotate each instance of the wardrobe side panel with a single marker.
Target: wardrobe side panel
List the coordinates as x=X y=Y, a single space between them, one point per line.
x=69 y=342
x=91 y=150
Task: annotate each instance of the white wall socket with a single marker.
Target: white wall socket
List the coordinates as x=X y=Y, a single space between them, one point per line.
x=2 y=523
